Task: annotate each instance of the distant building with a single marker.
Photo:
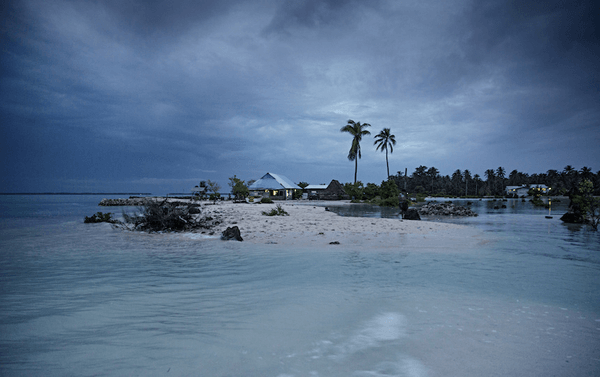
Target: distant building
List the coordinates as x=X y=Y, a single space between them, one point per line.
x=312 y=191
x=333 y=191
x=200 y=191
x=274 y=186
x=524 y=189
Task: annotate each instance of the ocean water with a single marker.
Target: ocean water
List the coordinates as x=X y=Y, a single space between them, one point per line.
x=87 y=300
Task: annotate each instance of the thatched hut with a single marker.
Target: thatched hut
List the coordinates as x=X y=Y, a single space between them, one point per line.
x=334 y=191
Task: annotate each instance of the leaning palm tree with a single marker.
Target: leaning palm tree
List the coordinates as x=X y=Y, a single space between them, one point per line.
x=357 y=130
x=384 y=141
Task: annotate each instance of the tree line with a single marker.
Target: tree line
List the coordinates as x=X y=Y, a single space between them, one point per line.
x=429 y=181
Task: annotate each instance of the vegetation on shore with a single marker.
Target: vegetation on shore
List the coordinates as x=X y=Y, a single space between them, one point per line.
x=430 y=182
x=100 y=217
x=159 y=216
x=585 y=205
x=277 y=211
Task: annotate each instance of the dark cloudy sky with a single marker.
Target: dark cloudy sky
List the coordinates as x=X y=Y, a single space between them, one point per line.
x=125 y=95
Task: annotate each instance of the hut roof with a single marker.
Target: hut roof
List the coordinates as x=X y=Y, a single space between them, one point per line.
x=335 y=190
x=271 y=181
x=316 y=187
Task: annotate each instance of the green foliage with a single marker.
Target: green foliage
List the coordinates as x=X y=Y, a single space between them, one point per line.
x=357 y=130
x=266 y=200
x=537 y=201
x=277 y=211
x=588 y=205
x=371 y=191
x=238 y=188
x=389 y=189
x=389 y=202
x=302 y=185
x=100 y=217
x=213 y=187
x=297 y=194
x=421 y=198
x=384 y=141
x=355 y=190
x=164 y=216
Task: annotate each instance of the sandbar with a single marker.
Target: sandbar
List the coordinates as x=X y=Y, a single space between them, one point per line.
x=314 y=226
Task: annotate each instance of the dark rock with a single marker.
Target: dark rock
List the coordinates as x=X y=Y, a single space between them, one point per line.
x=122 y=202
x=572 y=218
x=412 y=214
x=334 y=243
x=231 y=233
x=445 y=209
x=194 y=210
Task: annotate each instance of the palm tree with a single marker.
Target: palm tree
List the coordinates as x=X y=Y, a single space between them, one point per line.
x=433 y=173
x=500 y=174
x=357 y=131
x=490 y=176
x=586 y=172
x=467 y=175
x=385 y=140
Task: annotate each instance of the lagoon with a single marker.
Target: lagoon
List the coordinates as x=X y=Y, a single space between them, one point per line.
x=85 y=299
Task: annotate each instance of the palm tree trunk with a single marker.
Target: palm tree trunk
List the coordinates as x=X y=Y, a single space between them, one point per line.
x=355 y=168
x=387 y=164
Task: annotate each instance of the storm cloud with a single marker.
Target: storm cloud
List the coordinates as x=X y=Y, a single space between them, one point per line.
x=155 y=96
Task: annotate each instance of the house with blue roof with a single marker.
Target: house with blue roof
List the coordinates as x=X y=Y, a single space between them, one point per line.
x=274 y=186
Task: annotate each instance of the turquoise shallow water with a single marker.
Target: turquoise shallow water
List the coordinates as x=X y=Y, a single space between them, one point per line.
x=85 y=299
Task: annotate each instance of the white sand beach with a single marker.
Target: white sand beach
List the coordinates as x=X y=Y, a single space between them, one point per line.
x=311 y=225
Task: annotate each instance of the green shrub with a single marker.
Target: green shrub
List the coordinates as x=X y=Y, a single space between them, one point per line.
x=164 y=216
x=277 y=211
x=389 y=202
x=266 y=200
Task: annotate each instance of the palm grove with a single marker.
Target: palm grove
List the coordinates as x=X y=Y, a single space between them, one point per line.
x=428 y=180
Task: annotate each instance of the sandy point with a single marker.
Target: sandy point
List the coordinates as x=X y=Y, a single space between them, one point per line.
x=313 y=226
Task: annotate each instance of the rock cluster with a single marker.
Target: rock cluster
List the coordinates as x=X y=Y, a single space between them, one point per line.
x=122 y=202
x=445 y=209
x=137 y=201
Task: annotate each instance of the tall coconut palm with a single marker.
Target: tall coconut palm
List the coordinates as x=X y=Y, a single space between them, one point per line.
x=490 y=176
x=500 y=174
x=467 y=176
x=433 y=173
x=357 y=131
x=384 y=141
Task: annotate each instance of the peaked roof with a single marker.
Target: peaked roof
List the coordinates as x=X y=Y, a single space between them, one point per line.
x=271 y=181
